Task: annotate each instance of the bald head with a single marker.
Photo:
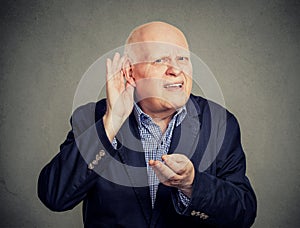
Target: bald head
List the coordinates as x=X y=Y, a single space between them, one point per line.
x=158 y=32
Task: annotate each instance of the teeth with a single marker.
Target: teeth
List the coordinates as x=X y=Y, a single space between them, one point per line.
x=174 y=85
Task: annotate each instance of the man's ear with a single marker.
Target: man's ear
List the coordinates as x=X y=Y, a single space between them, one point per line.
x=127 y=71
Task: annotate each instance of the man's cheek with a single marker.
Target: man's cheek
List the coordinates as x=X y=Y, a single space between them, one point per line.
x=148 y=88
x=187 y=70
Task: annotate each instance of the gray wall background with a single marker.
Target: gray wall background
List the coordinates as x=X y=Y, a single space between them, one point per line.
x=252 y=47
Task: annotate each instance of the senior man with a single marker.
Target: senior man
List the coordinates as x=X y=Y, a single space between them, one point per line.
x=135 y=158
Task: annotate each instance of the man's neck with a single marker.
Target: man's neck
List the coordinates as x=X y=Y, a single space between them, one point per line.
x=163 y=122
x=162 y=118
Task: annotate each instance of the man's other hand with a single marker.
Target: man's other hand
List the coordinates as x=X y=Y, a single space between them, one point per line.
x=176 y=170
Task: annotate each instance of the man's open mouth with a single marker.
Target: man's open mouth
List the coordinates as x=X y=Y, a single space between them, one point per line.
x=173 y=85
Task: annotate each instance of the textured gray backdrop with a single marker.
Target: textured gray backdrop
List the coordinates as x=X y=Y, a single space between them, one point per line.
x=252 y=47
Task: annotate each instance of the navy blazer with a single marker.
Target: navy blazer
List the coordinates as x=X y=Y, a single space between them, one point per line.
x=112 y=183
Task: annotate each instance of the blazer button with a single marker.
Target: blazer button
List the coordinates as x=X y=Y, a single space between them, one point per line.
x=98 y=157
x=91 y=166
x=193 y=213
x=102 y=153
x=95 y=162
x=203 y=216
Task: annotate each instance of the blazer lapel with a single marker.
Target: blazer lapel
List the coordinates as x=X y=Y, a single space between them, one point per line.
x=186 y=136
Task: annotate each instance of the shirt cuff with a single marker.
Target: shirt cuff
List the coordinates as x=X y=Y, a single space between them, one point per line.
x=183 y=200
x=114 y=143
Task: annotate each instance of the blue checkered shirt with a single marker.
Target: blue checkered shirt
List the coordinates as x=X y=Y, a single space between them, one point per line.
x=156 y=144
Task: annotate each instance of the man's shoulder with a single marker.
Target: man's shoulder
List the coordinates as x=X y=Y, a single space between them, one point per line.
x=202 y=104
x=210 y=109
x=92 y=111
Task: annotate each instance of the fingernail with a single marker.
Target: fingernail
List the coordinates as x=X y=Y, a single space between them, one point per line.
x=151 y=162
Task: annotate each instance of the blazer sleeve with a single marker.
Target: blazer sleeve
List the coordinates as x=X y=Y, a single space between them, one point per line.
x=224 y=198
x=65 y=181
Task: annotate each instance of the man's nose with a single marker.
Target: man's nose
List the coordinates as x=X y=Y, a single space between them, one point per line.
x=173 y=70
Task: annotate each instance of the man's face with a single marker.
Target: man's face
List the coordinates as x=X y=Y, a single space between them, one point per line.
x=163 y=76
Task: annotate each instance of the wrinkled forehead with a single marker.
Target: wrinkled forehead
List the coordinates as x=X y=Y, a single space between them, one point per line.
x=149 y=51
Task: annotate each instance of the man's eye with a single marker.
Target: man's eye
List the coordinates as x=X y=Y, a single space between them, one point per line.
x=158 y=61
x=182 y=58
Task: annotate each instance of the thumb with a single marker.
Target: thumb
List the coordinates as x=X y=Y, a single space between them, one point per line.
x=129 y=89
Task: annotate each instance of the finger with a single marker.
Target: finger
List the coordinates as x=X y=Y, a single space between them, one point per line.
x=129 y=90
x=128 y=95
x=115 y=63
x=125 y=63
x=162 y=171
x=108 y=69
x=177 y=162
x=121 y=63
x=116 y=57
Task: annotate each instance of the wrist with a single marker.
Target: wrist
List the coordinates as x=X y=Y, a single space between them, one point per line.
x=187 y=191
x=188 y=188
x=111 y=126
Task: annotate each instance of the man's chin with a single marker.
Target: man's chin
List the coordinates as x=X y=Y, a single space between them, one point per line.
x=176 y=104
x=163 y=104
